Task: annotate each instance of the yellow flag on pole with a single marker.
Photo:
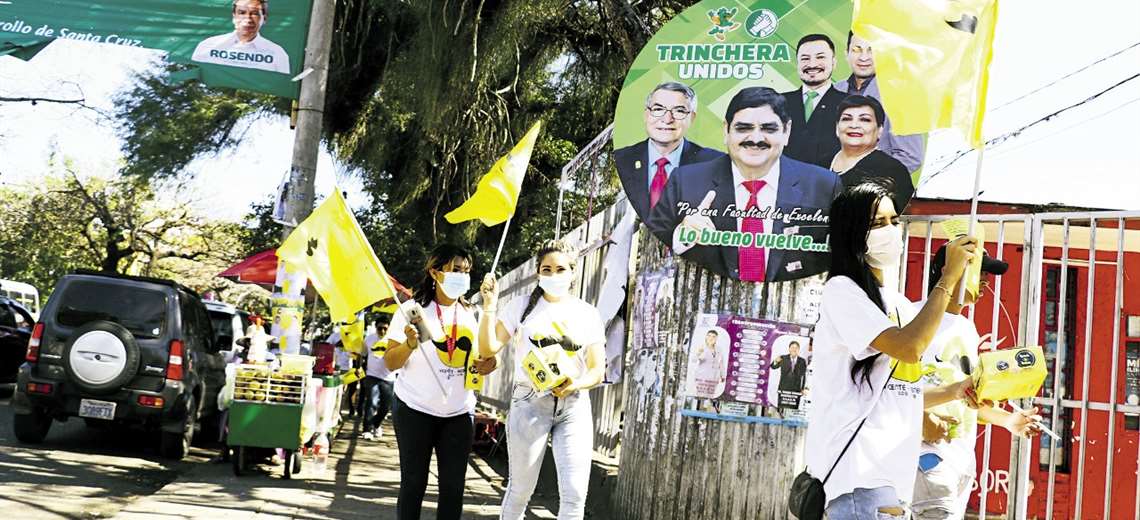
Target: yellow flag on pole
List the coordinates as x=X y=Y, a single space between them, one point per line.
x=330 y=249
x=932 y=61
x=497 y=195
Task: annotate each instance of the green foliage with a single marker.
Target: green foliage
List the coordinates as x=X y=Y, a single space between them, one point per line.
x=166 y=125
x=66 y=221
x=423 y=97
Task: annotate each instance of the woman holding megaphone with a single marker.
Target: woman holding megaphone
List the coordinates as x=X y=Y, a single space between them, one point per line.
x=434 y=409
x=865 y=423
x=560 y=355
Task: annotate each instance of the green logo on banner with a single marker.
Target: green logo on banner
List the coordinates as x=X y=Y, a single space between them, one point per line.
x=762 y=23
x=722 y=22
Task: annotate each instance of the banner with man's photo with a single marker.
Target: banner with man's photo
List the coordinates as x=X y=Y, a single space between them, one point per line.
x=746 y=360
x=740 y=122
x=255 y=45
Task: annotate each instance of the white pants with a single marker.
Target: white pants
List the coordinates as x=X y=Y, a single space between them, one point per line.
x=569 y=424
x=941 y=493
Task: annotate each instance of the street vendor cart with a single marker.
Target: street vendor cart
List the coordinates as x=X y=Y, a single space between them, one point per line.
x=267 y=412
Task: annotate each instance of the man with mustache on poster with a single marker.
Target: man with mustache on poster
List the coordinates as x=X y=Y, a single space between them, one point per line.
x=645 y=167
x=908 y=149
x=813 y=106
x=245 y=47
x=754 y=190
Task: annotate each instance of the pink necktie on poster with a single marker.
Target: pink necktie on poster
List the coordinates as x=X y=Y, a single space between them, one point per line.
x=752 y=259
x=657 y=187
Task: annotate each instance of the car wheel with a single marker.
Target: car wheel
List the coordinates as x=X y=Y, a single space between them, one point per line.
x=31 y=428
x=175 y=445
x=101 y=356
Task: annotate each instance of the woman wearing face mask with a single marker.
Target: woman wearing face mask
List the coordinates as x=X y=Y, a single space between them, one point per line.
x=433 y=411
x=859 y=126
x=549 y=315
x=865 y=423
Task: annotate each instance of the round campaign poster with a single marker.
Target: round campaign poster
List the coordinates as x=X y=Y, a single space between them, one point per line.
x=740 y=122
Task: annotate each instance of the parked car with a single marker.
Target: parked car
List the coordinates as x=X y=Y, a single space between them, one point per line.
x=121 y=349
x=15 y=331
x=228 y=321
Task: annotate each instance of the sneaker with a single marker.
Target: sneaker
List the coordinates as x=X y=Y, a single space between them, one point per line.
x=368 y=436
x=378 y=432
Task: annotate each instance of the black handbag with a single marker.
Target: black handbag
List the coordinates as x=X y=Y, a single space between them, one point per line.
x=807 y=499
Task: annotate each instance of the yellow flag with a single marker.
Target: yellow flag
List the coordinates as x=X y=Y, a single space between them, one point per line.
x=352 y=335
x=497 y=195
x=330 y=249
x=932 y=60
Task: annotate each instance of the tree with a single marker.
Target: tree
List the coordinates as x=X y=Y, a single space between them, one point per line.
x=424 y=96
x=115 y=224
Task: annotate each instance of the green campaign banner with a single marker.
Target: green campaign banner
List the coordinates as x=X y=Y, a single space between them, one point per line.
x=255 y=45
x=732 y=134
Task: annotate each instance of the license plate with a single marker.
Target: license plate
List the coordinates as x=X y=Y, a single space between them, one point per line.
x=97 y=409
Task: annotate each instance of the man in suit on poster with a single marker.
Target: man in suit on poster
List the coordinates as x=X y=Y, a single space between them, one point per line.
x=644 y=168
x=754 y=189
x=793 y=369
x=814 y=106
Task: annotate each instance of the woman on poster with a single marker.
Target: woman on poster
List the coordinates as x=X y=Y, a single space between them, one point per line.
x=434 y=411
x=865 y=424
x=550 y=318
x=859 y=127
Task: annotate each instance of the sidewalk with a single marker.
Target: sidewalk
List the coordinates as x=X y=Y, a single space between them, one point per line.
x=364 y=484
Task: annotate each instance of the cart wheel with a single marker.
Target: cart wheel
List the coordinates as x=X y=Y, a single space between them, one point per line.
x=289 y=464
x=238 y=460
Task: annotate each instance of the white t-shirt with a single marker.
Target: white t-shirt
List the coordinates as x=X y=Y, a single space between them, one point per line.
x=376 y=366
x=956 y=337
x=578 y=319
x=416 y=385
x=227 y=49
x=885 y=452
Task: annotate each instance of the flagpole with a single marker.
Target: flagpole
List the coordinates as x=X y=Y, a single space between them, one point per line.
x=502 y=242
x=973 y=213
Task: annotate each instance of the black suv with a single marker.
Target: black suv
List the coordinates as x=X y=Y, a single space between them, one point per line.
x=125 y=349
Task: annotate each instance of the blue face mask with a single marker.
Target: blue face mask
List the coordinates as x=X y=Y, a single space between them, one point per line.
x=455 y=285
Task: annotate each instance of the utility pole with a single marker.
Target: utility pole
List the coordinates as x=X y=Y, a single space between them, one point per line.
x=288 y=296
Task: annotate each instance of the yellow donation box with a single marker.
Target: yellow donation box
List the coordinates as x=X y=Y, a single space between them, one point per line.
x=1010 y=374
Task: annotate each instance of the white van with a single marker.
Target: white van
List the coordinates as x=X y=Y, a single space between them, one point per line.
x=22 y=293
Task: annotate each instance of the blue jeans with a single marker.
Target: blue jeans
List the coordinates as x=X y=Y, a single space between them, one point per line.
x=377 y=397
x=881 y=503
x=569 y=424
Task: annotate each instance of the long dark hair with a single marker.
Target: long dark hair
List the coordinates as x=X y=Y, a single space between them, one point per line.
x=439 y=257
x=849 y=223
x=546 y=248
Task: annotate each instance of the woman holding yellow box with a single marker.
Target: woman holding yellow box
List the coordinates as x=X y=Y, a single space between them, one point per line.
x=563 y=339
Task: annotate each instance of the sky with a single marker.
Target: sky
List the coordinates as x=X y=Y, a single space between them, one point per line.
x=1083 y=157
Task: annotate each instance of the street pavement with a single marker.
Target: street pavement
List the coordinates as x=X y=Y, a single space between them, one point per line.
x=81 y=472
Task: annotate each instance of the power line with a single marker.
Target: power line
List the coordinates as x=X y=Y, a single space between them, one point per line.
x=1062 y=78
x=991 y=143
x=1111 y=111
x=1058 y=80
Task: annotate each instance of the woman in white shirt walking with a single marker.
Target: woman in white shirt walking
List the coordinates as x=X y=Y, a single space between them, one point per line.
x=549 y=315
x=860 y=342
x=434 y=410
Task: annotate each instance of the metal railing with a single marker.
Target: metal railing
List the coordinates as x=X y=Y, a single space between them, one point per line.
x=1062 y=243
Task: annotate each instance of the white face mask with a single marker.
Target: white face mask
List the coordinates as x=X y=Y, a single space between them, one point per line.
x=455 y=285
x=884 y=247
x=556 y=285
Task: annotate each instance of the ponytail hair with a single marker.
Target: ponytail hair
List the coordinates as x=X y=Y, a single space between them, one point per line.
x=546 y=248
